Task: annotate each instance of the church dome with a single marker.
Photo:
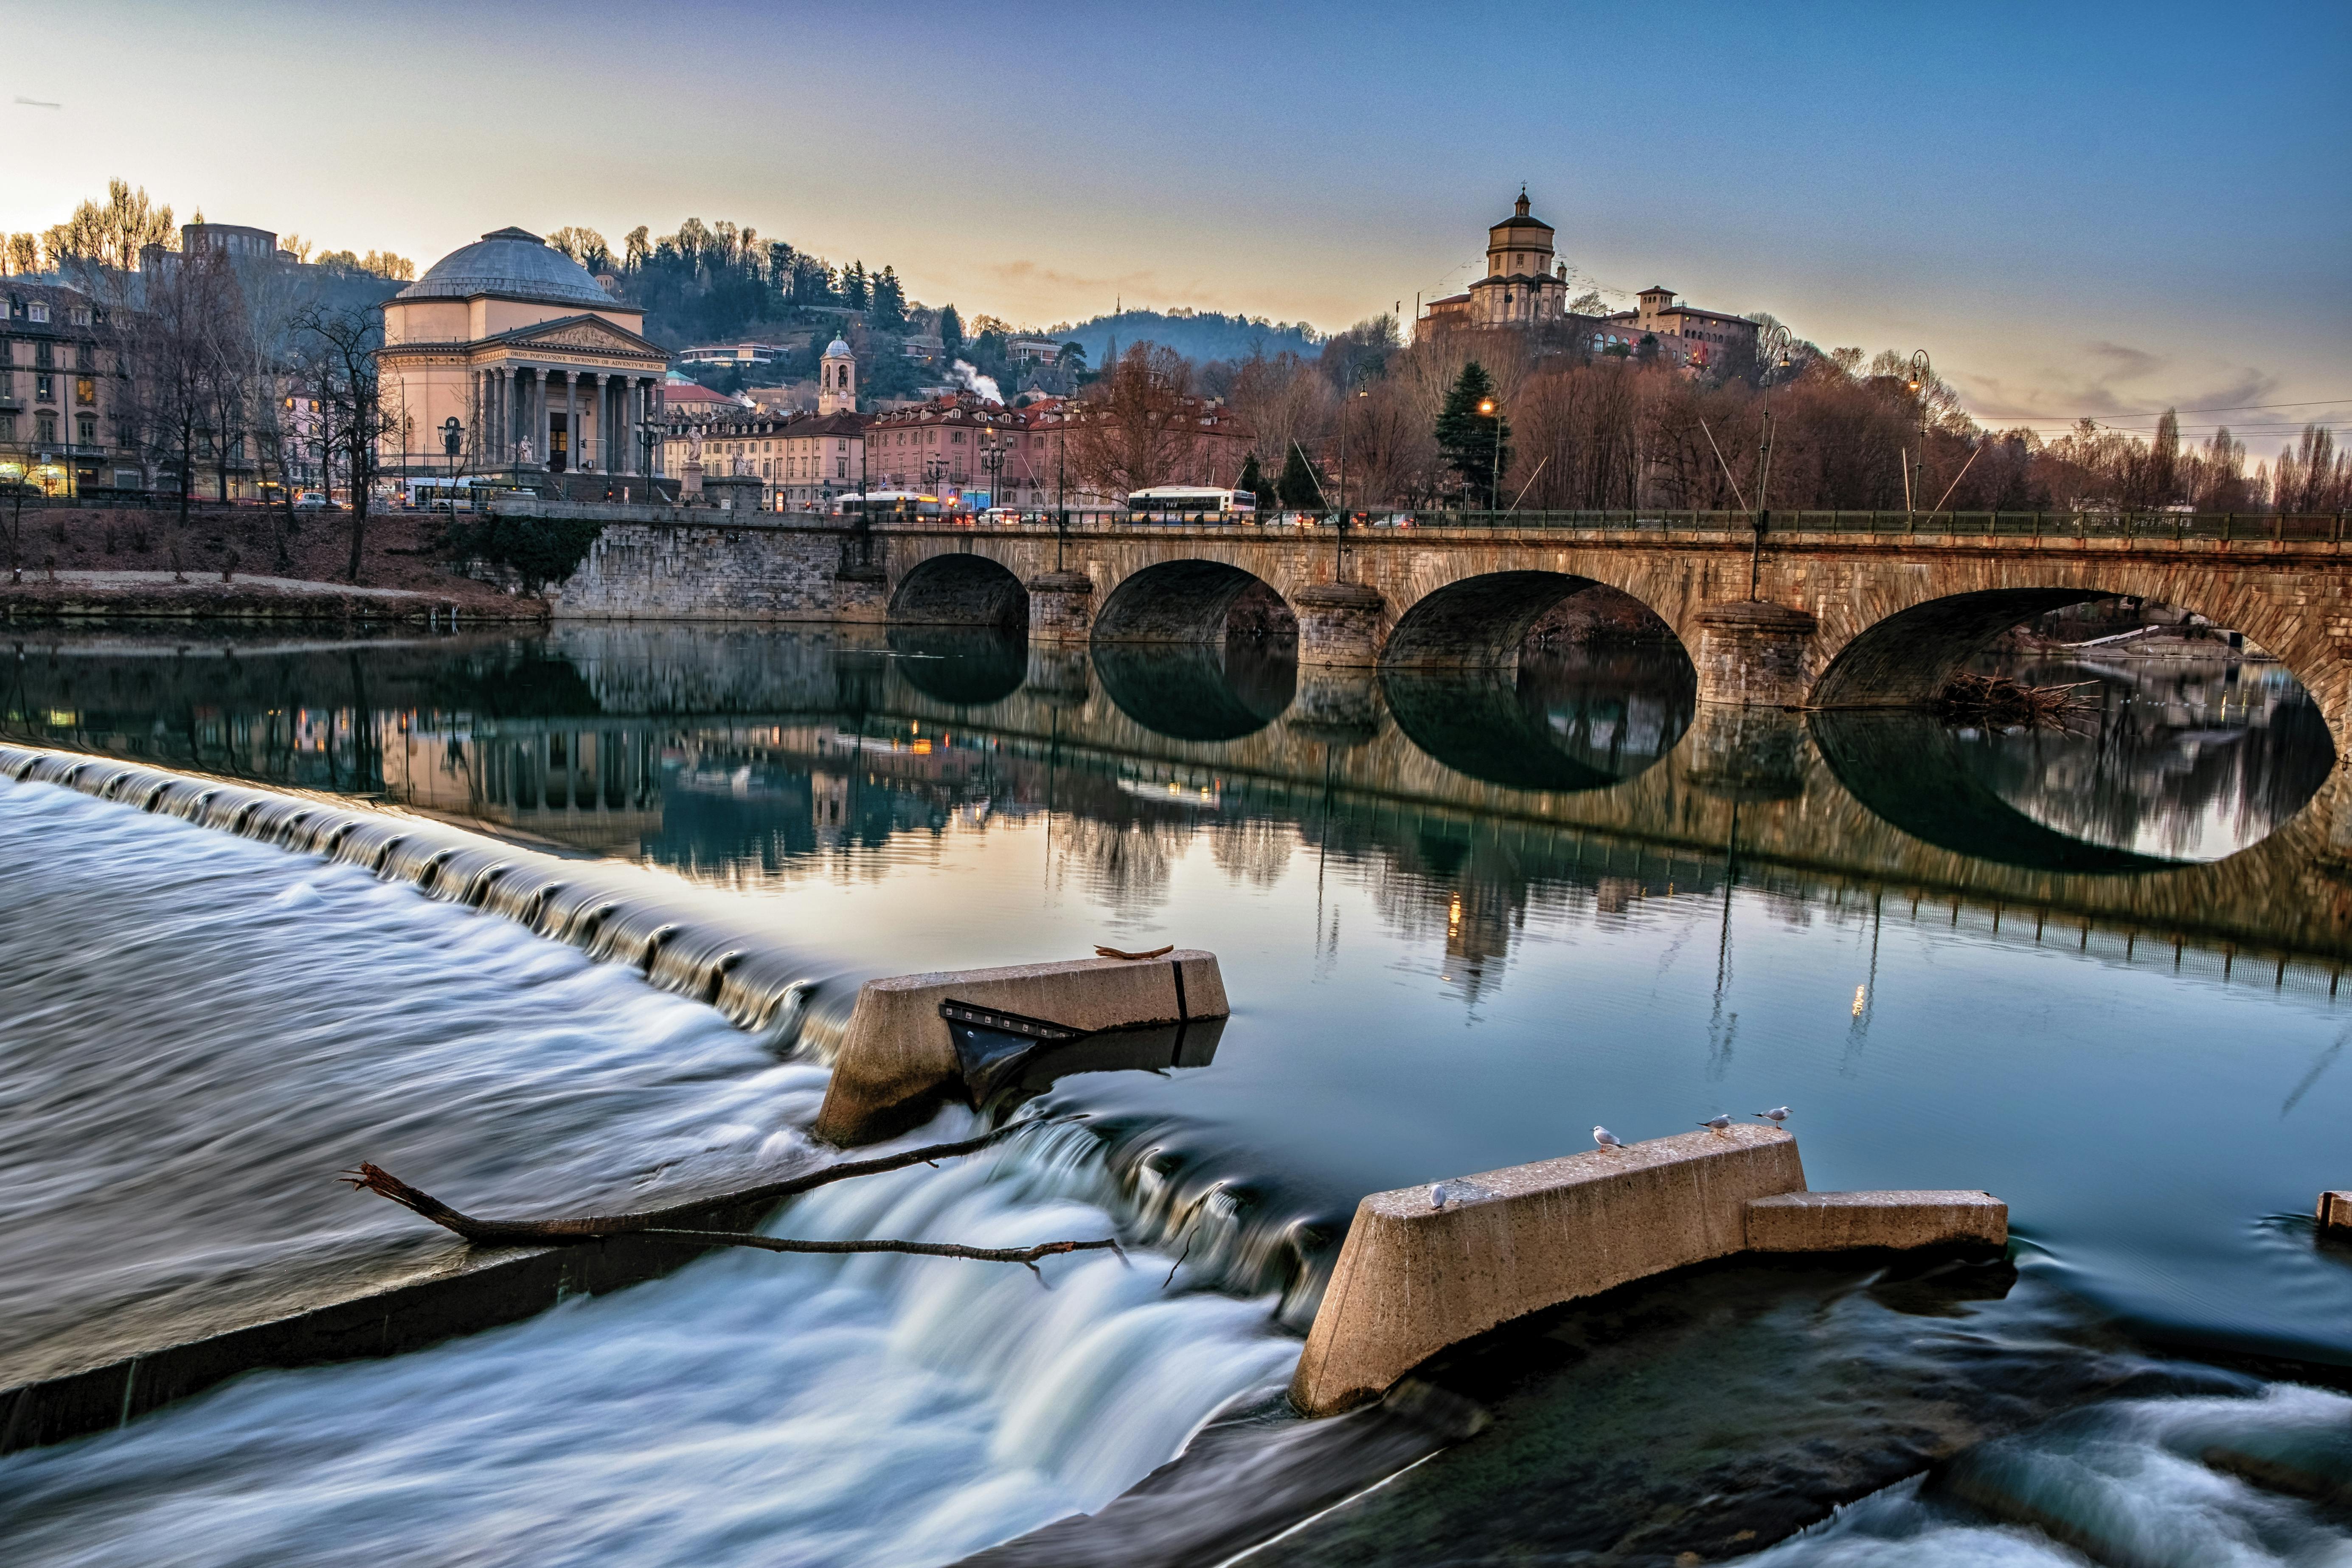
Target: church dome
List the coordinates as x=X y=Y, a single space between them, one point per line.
x=837 y=348
x=513 y=265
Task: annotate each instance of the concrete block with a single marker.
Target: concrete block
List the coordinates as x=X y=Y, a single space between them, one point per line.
x=2335 y=1211
x=1835 y=1221
x=897 y=1057
x=1413 y=1279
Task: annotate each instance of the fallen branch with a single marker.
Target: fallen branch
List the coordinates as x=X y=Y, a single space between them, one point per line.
x=1102 y=952
x=592 y=1227
x=654 y=1225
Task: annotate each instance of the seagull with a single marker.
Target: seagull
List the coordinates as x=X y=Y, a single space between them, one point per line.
x=1437 y=1196
x=1606 y=1139
x=1718 y=1125
x=1776 y=1116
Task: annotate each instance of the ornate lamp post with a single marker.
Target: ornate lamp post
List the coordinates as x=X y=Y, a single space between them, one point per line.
x=1494 y=470
x=1922 y=377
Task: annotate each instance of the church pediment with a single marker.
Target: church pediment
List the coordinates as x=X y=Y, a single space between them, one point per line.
x=588 y=334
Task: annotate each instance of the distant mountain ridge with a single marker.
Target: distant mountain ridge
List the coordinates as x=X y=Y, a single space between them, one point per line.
x=1198 y=335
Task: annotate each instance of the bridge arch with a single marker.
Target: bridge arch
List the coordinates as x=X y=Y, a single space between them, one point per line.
x=1482 y=621
x=1200 y=691
x=1182 y=601
x=960 y=590
x=1896 y=652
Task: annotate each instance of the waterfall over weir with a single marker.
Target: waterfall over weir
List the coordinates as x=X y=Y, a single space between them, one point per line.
x=679 y=940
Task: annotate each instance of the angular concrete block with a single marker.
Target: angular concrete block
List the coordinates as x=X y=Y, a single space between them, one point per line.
x=1413 y=1279
x=1834 y=1222
x=897 y=1055
x=2335 y=1212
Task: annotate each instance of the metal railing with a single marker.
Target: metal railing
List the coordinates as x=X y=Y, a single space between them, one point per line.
x=2172 y=527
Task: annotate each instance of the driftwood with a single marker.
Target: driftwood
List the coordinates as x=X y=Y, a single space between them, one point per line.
x=669 y=1224
x=1999 y=701
x=1102 y=952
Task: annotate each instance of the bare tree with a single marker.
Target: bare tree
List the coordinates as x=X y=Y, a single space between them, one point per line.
x=337 y=348
x=1135 y=429
x=176 y=352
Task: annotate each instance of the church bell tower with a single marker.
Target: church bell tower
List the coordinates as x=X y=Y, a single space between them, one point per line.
x=836 y=380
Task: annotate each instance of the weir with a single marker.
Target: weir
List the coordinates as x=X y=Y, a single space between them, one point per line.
x=893 y=1059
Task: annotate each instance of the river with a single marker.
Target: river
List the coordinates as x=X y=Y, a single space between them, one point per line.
x=1462 y=919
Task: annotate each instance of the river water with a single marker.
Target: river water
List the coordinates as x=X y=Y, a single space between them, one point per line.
x=1462 y=919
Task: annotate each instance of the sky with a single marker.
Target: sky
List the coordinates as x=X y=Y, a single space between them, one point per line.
x=2075 y=209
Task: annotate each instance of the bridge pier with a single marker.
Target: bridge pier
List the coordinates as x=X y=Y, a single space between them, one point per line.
x=1060 y=674
x=1061 y=607
x=1338 y=624
x=1338 y=706
x=1754 y=652
x=1748 y=752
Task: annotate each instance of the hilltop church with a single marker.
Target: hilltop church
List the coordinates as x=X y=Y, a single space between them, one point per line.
x=1525 y=287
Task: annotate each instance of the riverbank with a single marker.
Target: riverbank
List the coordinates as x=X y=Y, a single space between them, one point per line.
x=241 y=564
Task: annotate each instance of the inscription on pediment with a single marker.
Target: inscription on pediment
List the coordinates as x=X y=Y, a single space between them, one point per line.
x=584 y=337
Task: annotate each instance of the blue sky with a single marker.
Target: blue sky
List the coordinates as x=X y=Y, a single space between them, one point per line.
x=2075 y=209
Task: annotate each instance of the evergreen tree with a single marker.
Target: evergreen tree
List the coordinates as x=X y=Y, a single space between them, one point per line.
x=1252 y=482
x=950 y=331
x=854 y=292
x=1298 y=487
x=888 y=309
x=1467 y=440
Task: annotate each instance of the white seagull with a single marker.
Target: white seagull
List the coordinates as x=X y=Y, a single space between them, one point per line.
x=1606 y=1139
x=1776 y=1116
x=1718 y=1125
x=1437 y=1196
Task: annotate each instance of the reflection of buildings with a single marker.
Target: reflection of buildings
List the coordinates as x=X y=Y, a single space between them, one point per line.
x=2182 y=759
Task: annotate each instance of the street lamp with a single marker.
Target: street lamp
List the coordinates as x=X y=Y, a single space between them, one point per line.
x=993 y=454
x=1495 y=472
x=1922 y=377
x=1340 y=539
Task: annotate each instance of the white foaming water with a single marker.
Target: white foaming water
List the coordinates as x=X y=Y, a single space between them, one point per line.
x=2146 y=1483
x=750 y=1409
x=197 y=1031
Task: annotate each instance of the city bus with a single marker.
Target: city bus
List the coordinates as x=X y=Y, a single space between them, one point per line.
x=889 y=503
x=1192 y=503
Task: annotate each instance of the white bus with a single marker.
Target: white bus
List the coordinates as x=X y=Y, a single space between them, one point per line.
x=1186 y=503
x=889 y=503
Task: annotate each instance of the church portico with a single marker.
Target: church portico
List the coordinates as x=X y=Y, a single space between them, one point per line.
x=510 y=350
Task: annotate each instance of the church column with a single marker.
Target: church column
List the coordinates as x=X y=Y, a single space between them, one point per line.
x=542 y=418
x=571 y=422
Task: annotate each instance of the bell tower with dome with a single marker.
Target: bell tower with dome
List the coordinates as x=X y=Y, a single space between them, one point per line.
x=836 y=380
x=507 y=357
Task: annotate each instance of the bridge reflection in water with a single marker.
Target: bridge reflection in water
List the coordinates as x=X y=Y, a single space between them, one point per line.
x=1590 y=780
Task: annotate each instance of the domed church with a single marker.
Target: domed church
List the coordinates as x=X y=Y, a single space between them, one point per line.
x=1524 y=284
x=508 y=356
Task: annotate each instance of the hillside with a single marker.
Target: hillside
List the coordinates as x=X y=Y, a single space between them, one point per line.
x=1198 y=335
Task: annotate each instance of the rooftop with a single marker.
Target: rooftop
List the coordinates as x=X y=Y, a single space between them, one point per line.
x=512 y=264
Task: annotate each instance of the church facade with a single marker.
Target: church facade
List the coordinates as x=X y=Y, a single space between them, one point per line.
x=508 y=357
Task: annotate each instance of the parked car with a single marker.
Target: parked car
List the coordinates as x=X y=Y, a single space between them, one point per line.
x=314 y=500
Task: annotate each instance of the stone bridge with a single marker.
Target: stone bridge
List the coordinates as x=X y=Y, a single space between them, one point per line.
x=1791 y=618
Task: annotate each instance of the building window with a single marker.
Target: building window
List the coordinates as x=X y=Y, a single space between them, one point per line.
x=83 y=359
x=45 y=430
x=85 y=390
x=37 y=313
x=7 y=428
x=86 y=429
x=45 y=389
x=42 y=356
